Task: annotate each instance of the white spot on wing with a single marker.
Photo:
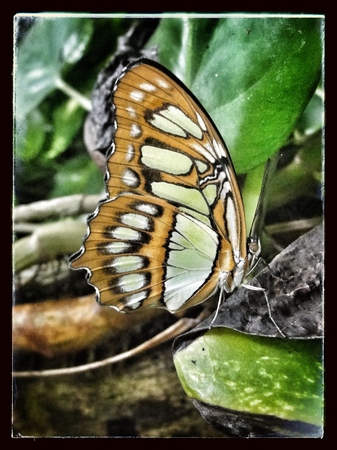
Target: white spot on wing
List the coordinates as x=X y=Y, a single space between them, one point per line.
x=218 y=147
x=133 y=301
x=135 y=131
x=137 y=96
x=128 y=234
x=225 y=189
x=132 y=282
x=201 y=122
x=115 y=248
x=130 y=153
x=211 y=150
x=206 y=151
x=127 y=263
x=132 y=112
x=148 y=87
x=162 y=83
x=137 y=221
x=147 y=208
x=130 y=178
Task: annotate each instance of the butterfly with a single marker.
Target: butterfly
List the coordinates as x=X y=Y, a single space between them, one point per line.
x=172 y=230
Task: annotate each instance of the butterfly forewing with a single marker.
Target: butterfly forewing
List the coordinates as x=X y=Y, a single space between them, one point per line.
x=173 y=226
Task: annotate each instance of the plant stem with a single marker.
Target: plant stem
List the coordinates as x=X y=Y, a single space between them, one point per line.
x=72 y=93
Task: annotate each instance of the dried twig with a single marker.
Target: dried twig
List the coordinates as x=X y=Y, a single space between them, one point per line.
x=174 y=330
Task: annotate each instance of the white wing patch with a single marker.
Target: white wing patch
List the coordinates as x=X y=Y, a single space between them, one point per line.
x=177 y=116
x=167 y=126
x=166 y=160
x=193 y=250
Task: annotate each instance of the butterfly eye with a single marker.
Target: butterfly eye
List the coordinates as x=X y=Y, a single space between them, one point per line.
x=172 y=230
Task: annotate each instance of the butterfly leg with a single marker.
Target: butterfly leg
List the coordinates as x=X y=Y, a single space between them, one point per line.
x=260 y=288
x=220 y=301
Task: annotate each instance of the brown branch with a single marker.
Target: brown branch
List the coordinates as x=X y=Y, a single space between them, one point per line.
x=58 y=327
x=72 y=205
x=171 y=332
x=48 y=242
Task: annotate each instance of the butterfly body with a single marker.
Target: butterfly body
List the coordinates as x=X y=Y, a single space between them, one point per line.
x=172 y=229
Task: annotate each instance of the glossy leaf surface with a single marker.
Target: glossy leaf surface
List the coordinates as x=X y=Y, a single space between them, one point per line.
x=254 y=374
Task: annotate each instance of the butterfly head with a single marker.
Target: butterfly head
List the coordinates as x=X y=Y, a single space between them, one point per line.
x=253 y=251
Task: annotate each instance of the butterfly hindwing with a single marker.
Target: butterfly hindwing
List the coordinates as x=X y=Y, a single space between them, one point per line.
x=173 y=226
x=142 y=251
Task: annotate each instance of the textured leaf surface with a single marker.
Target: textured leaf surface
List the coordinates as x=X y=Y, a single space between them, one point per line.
x=254 y=374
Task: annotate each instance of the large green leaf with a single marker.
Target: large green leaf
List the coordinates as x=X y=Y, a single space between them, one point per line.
x=253 y=374
x=254 y=76
x=51 y=46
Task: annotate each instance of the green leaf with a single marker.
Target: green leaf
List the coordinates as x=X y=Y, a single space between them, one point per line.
x=253 y=75
x=30 y=135
x=304 y=172
x=37 y=138
x=168 y=38
x=67 y=120
x=258 y=375
x=180 y=41
x=78 y=176
x=47 y=51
